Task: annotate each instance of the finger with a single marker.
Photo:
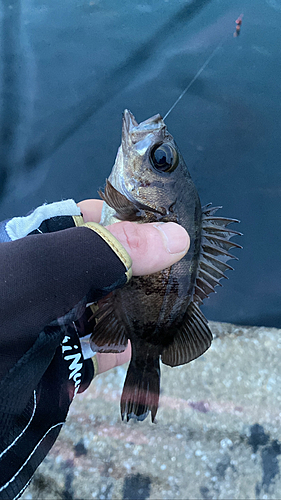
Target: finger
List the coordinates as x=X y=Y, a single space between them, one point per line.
x=91 y=210
x=152 y=247
x=108 y=361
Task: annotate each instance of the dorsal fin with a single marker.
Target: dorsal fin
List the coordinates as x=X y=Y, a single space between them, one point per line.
x=193 y=338
x=215 y=246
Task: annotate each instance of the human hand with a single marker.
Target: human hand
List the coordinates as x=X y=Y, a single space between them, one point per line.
x=152 y=247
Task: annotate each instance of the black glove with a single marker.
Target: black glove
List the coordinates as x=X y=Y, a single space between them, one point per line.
x=49 y=280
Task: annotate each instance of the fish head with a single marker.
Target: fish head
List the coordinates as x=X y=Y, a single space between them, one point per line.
x=148 y=167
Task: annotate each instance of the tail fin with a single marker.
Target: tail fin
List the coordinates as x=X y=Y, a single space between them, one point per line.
x=141 y=390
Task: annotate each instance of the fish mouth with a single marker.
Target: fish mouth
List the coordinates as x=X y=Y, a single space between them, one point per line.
x=129 y=120
x=133 y=132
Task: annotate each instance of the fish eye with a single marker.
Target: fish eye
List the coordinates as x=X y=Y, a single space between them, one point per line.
x=164 y=158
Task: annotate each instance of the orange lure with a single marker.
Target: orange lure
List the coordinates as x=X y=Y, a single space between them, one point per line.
x=238 y=25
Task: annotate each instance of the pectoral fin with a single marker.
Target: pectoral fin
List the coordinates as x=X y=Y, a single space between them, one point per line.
x=125 y=209
x=193 y=339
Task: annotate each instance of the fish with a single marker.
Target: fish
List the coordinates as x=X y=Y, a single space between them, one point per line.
x=159 y=313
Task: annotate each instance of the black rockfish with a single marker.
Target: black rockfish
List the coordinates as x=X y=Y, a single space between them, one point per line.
x=159 y=313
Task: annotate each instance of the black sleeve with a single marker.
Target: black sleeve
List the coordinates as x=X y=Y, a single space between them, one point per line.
x=43 y=277
x=46 y=279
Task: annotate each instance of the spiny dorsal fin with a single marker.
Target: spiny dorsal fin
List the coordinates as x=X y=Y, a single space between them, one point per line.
x=193 y=338
x=108 y=333
x=215 y=246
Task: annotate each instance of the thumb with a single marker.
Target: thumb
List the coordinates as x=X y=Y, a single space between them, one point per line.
x=152 y=247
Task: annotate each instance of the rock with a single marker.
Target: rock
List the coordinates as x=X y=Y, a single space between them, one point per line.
x=217 y=433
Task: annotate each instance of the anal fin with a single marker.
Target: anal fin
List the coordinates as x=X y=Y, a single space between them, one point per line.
x=193 y=338
x=108 y=333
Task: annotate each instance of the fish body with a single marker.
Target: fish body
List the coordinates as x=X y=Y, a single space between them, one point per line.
x=159 y=313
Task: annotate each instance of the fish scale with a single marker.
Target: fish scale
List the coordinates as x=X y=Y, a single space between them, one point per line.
x=160 y=313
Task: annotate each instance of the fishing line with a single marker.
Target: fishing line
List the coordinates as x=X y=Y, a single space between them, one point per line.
x=195 y=77
x=235 y=34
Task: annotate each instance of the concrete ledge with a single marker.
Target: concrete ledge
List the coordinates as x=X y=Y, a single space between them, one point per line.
x=217 y=434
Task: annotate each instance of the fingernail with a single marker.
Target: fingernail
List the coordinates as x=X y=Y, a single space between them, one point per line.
x=175 y=237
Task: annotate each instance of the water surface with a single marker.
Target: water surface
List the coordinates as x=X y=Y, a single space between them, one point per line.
x=69 y=68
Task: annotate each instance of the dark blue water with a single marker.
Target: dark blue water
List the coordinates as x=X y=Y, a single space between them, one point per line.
x=68 y=70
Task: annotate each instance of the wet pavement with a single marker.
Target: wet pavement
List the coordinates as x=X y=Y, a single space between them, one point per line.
x=217 y=434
